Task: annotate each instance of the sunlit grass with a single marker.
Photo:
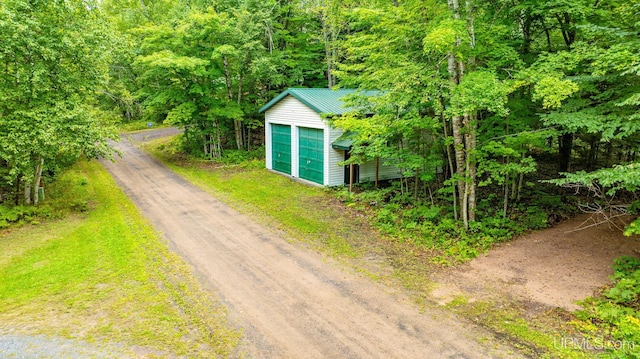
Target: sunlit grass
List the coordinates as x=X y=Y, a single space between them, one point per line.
x=105 y=275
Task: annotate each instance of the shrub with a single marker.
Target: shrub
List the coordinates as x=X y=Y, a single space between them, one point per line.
x=617 y=312
x=16 y=214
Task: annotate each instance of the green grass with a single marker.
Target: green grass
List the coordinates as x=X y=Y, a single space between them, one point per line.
x=105 y=276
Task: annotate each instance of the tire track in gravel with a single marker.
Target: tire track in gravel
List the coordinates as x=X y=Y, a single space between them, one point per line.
x=290 y=302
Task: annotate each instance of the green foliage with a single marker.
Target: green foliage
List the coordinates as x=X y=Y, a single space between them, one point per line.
x=209 y=67
x=619 y=177
x=244 y=158
x=53 y=59
x=132 y=126
x=617 y=312
x=633 y=228
x=480 y=91
x=17 y=214
x=610 y=181
x=553 y=90
x=524 y=75
x=68 y=194
x=442 y=38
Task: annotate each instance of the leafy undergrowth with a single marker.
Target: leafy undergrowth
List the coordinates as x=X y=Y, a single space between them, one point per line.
x=611 y=322
x=104 y=276
x=400 y=216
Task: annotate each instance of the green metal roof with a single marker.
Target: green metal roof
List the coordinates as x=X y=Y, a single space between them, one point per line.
x=344 y=142
x=323 y=101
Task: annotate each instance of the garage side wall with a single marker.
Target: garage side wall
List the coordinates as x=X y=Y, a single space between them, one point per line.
x=368 y=171
x=290 y=111
x=334 y=174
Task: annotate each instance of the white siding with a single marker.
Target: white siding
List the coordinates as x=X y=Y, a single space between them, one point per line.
x=267 y=144
x=368 y=171
x=334 y=173
x=291 y=111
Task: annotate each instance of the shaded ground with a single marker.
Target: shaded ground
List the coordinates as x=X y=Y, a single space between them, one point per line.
x=290 y=301
x=551 y=268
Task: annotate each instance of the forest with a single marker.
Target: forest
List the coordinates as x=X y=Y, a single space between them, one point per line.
x=488 y=107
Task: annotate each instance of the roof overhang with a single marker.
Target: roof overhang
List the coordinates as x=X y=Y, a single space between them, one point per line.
x=344 y=142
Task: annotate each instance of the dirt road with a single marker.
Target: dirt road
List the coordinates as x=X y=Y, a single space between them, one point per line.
x=291 y=302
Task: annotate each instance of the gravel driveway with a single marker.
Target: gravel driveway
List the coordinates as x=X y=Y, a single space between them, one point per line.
x=289 y=301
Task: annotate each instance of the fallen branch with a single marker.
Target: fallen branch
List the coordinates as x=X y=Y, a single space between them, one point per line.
x=601 y=213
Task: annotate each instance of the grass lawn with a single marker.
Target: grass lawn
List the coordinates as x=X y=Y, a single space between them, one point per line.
x=104 y=276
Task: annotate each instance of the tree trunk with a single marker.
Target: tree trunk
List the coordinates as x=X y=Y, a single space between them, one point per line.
x=520 y=180
x=219 y=140
x=27 y=192
x=237 y=124
x=329 y=58
x=204 y=145
x=16 y=193
x=237 y=128
x=464 y=126
x=471 y=120
x=565 y=146
x=145 y=12
x=505 y=201
x=36 y=180
x=330 y=36
x=445 y=126
x=471 y=127
x=415 y=187
x=525 y=29
x=456 y=70
x=458 y=147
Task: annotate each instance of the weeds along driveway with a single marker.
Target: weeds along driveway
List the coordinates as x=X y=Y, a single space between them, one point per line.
x=290 y=302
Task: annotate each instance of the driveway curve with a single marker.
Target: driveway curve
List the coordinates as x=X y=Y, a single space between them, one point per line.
x=290 y=302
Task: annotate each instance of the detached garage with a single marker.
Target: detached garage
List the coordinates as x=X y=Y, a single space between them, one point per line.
x=300 y=143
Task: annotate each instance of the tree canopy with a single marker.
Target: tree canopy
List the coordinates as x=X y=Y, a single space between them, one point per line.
x=54 y=56
x=478 y=100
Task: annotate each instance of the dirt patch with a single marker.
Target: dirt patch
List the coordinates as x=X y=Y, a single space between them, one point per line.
x=555 y=267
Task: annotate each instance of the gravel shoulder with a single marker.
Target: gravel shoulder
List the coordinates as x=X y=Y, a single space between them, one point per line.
x=20 y=346
x=289 y=301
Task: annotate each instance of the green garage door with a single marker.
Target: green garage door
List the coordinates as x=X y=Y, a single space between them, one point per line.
x=311 y=154
x=281 y=148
